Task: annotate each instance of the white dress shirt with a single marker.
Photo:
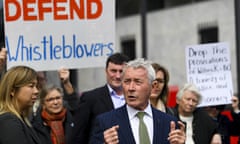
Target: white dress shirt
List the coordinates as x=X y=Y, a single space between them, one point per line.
x=134 y=121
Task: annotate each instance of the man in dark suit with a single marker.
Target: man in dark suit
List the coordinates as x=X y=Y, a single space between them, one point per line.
x=100 y=100
x=121 y=125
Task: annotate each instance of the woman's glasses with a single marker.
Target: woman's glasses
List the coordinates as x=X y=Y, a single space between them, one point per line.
x=53 y=99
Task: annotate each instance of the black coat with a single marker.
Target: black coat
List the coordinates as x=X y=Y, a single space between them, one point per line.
x=223 y=124
x=235 y=125
x=43 y=131
x=15 y=131
x=119 y=116
x=92 y=103
x=203 y=126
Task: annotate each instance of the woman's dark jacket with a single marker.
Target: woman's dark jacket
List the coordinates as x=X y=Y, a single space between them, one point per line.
x=44 y=132
x=15 y=131
x=203 y=126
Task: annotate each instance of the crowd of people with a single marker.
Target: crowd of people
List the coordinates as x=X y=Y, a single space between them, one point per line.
x=131 y=108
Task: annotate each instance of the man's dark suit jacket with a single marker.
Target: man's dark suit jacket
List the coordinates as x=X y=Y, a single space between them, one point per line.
x=92 y=103
x=161 y=126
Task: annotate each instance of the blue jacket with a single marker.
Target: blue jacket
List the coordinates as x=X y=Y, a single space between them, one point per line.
x=161 y=126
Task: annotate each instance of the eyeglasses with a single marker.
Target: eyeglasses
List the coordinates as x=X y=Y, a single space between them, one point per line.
x=159 y=80
x=57 y=98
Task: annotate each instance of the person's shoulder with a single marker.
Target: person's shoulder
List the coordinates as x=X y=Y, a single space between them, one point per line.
x=9 y=118
x=7 y=115
x=163 y=115
x=114 y=112
x=95 y=90
x=37 y=118
x=201 y=114
x=172 y=111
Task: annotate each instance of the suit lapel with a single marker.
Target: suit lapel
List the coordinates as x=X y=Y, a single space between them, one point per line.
x=106 y=98
x=159 y=128
x=125 y=131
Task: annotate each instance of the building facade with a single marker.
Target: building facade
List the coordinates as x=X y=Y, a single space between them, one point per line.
x=171 y=25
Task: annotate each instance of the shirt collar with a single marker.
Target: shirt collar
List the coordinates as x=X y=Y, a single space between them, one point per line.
x=113 y=93
x=132 y=112
x=109 y=88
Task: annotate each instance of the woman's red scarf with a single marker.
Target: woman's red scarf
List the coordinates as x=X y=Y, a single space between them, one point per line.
x=55 y=122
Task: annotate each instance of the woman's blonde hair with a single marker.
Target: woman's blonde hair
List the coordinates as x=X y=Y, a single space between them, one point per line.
x=15 y=78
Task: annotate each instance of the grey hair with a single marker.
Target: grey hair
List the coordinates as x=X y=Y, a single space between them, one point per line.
x=141 y=63
x=48 y=88
x=189 y=87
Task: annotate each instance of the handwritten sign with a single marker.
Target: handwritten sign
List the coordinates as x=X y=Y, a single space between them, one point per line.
x=46 y=35
x=209 y=68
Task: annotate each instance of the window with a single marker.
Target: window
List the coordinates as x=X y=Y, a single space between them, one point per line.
x=208 y=34
x=130 y=7
x=127 y=7
x=155 y=4
x=129 y=48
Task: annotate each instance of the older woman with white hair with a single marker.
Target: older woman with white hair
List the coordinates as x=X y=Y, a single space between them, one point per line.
x=200 y=129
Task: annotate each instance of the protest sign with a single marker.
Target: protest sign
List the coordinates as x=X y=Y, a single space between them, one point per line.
x=209 y=68
x=47 y=35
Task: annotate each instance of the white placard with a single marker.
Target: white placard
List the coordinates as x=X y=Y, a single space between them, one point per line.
x=47 y=35
x=209 y=68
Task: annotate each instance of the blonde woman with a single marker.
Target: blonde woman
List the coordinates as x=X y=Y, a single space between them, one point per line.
x=18 y=92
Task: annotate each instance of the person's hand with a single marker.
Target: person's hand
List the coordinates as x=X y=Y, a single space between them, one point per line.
x=64 y=75
x=216 y=139
x=177 y=136
x=3 y=58
x=111 y=135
